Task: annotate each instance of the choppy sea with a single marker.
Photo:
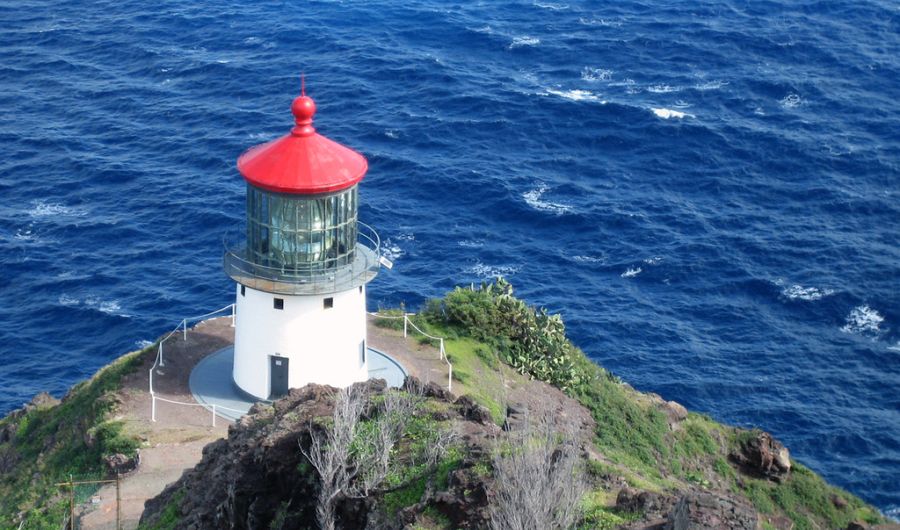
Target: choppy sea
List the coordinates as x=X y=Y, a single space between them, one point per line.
x=708 y=191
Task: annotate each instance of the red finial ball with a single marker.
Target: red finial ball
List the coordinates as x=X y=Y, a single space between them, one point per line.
x=303 y=108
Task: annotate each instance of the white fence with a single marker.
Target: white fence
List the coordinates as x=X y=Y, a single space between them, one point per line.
x=406 y=324
x=181 y=329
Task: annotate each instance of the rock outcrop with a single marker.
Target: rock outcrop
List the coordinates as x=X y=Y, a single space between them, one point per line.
x=698 y=510
x=764 y=456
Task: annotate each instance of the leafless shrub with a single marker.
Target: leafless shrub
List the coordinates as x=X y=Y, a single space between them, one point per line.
x=351 y=457
x=539 y=482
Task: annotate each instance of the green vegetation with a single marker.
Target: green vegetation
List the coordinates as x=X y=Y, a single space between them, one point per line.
x=169 y=516
x=487 y=324
x=51 y=443
x=598 y=515
x=807 y=499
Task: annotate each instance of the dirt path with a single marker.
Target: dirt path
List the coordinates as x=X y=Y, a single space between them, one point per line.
x=175 y=441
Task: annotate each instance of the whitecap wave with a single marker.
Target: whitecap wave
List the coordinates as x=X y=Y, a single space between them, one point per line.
x=669 y=113
x=596 y=74
x=663 y=89
x=551 y=6
x=655 y=260
x=68 y=301
x=593 y=21
x=391 y=250
x=471 y=243
x=492 y=271
x=392 y=134
x=51 y=209
x=575 y=95
x=863 y=320
x=143 y=343
x=710 y=85
x=523 y=41
x=810 y=294
x=791 y=101
x=534 y=199
x=589 y=259
x=487 y=30
x=631 y=272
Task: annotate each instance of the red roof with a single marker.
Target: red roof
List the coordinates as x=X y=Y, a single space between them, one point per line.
x=304 y=161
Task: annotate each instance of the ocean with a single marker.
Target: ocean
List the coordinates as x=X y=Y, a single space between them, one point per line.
x=706 y=190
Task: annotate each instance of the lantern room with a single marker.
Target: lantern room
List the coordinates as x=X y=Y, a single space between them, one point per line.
x=302 y=268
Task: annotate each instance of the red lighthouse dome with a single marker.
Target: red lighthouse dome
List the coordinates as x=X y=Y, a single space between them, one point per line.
x=302 y=162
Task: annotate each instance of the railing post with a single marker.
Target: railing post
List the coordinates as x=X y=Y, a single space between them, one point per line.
x=185 y=328
x=161 y=361
x=118 y=501
x=404 y=325
x=152 y=407
x=442 y=349
x=214 y=414
x=232 y=314
x=450 y=378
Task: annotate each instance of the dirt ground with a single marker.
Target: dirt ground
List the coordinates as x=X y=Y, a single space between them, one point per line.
x=175 y=441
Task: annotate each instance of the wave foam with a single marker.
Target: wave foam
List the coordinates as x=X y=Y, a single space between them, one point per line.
x=524 y=40
x=791 y=101
x=551 y=6
x=710 y=85
x=391 y=251
x=492 y=271
x=470 y=243
x=631 y=272
x=863 y=320
x=589 y=259
x=669 y=113
x=533 y=199
x=392 y=134
x=595 y=74
x=575 y=95
x=599 y=22
x=52 y=209
x=663 y=89
x=655 y=260
x=810 y=294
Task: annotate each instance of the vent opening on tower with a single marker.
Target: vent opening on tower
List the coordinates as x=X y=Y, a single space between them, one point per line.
x=279 y=303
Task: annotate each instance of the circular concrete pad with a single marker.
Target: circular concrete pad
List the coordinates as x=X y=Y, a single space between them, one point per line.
x=212 y=385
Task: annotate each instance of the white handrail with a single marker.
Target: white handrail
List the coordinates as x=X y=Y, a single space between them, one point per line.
x=442 y=352
x=160 y=360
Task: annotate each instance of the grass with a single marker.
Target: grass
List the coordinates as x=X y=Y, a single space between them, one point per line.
x=169 y=516
x=53 y=442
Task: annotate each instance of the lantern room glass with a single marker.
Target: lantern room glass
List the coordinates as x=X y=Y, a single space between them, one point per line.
x=301 y=234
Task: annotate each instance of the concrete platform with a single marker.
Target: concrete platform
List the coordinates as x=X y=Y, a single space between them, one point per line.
x=211 y=383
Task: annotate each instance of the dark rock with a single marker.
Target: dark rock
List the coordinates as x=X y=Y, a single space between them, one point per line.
x=764 y=456
x=675 y=412
x=838 y=502
x=429 y=389
x=697 y=510
x=473 y=411
x=43 y=400
x=121 y=464
x=644 y=502
x=857 y=525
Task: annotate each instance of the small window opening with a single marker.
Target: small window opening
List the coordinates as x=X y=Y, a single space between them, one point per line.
x=279 y=303
x=243 y=290
x=328 y=303
x=362 y=353
x=360 y=289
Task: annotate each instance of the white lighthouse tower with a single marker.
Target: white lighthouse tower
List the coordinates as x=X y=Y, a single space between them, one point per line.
x=301 y=274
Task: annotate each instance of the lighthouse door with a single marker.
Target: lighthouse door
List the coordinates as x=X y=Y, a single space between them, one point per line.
x=278 y=370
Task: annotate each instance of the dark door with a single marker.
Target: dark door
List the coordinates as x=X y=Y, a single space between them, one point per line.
x=278 y=368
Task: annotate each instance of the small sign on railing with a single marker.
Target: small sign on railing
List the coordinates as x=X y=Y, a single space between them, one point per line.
x=388 y=264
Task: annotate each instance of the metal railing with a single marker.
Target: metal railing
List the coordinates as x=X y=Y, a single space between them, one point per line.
x=406 y=323
x=313 y=278
x=181 y=329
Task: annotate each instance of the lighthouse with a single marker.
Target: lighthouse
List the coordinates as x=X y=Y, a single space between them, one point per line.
x=302 y=270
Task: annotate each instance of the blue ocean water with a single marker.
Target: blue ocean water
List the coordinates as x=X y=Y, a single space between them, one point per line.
x=707 y=191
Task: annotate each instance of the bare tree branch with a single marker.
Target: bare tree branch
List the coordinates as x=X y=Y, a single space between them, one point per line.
x=538 y=481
